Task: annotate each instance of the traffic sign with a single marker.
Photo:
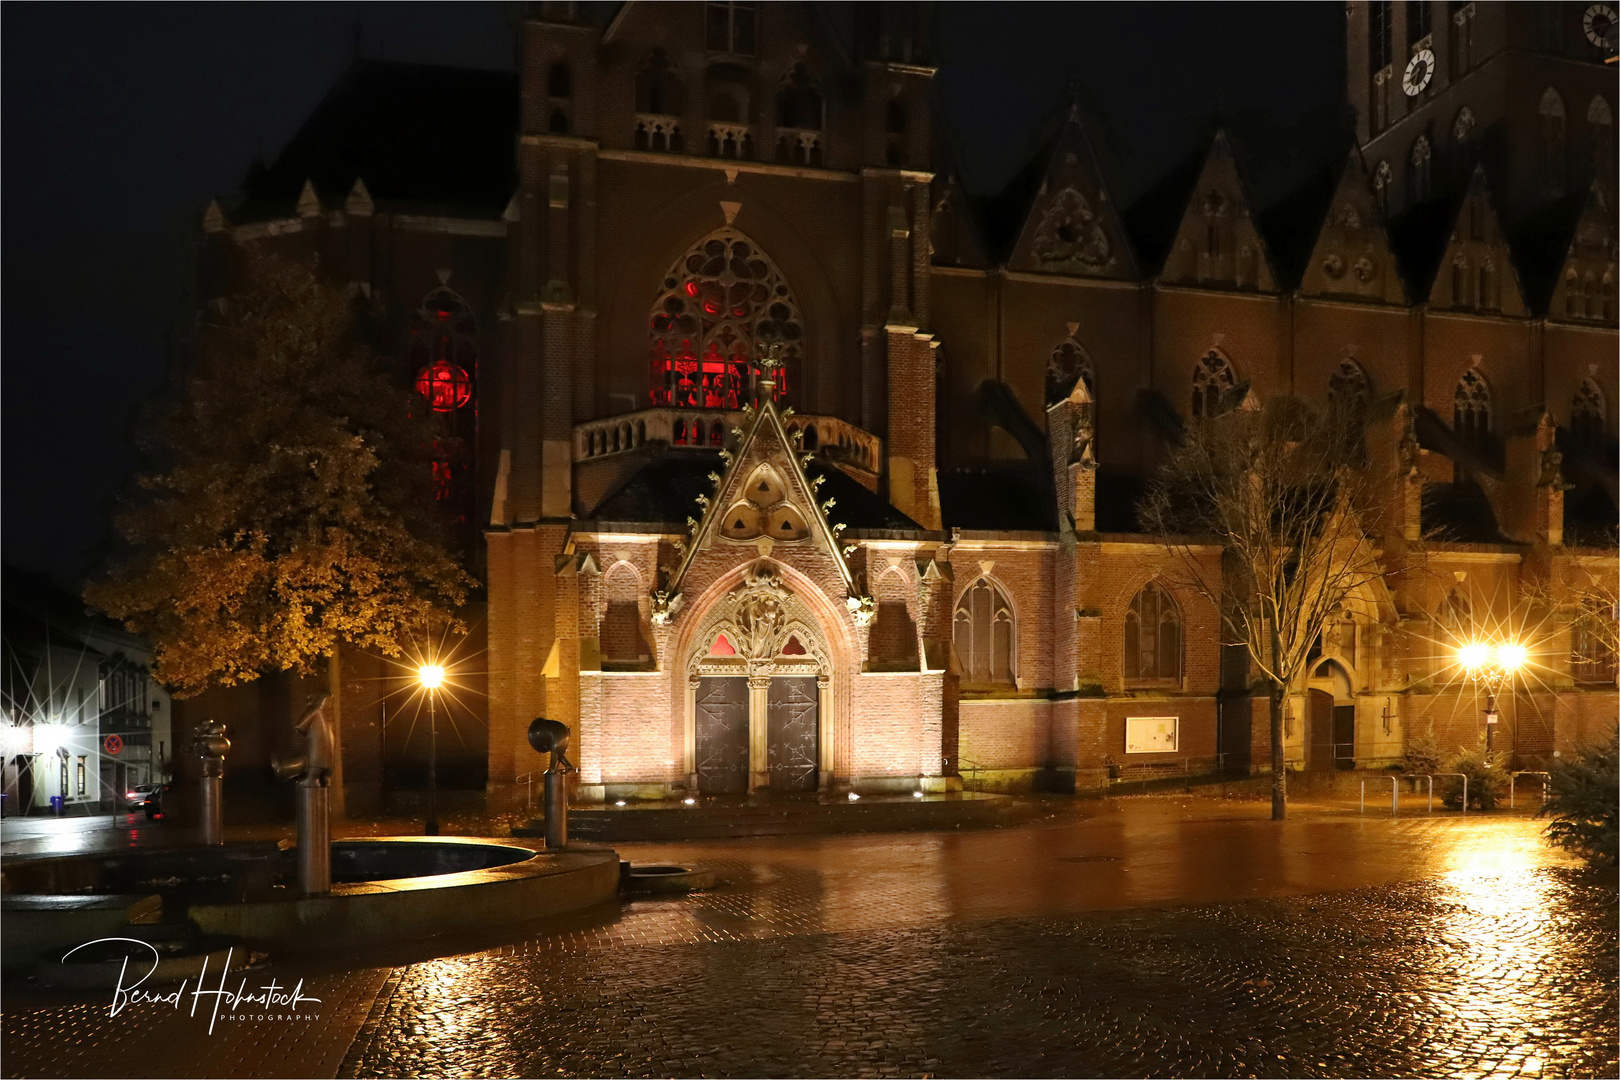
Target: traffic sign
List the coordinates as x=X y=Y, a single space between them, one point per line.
x=113 y=744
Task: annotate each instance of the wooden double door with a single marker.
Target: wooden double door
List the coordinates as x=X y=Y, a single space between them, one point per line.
x=735 y=731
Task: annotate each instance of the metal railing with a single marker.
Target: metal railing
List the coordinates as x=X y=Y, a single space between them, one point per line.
x=1513 y=779
x=1394 y=794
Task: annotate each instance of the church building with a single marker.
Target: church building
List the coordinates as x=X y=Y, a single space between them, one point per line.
x=789 y=465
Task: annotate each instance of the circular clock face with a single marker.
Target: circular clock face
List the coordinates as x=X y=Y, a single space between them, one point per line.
x=1419 y=70
x=1598 y=22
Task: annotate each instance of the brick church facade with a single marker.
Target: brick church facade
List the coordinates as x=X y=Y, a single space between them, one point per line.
x=900 y=552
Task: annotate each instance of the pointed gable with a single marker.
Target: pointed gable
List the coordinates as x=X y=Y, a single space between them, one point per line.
x=1217 y=244
x=1585 y=289
x=765 y=499
x=1353 y=256
x=1476 y=268
x=1072 y=225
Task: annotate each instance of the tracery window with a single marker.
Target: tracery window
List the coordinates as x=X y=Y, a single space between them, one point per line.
x=1152 y=636
x=1213 y=378
x=1592 y=656
x=1383 y=178
x=1471 y=409
x=443 y=350
x=1068 y=363
x=1586 y=414
x=1463 y=127
x=983 y=634
x=720 y=304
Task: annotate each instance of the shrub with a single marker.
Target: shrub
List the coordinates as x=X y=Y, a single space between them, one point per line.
x=1487 y=779
x=1422 y=757
x=1585 y=804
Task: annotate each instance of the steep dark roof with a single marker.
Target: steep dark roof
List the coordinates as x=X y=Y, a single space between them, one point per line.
x=665 y=491
x=1013 y=496
x=1291 y=225
x=1460 y=513
x=1540 y=244
x=422 y=137
x=1419 y=235
x=1153 y=219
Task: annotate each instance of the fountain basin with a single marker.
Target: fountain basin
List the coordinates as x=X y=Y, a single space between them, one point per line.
x=387 y=888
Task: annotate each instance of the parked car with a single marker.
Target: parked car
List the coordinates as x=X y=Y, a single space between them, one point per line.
x=147 y=798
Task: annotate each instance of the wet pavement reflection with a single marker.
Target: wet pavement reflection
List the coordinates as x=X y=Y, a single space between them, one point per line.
x=1138 y=937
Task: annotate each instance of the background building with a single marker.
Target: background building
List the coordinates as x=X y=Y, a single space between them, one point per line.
x=83 y=721
x=582 y=264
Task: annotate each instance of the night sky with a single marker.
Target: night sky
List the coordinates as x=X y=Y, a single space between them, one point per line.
x=121 y=121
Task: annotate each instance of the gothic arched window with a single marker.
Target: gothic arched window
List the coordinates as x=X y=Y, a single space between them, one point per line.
x=1459 y=282
x=1213 y=378
x=443 y=350
x=1069 y=362
x=1462 y=128
x=1592 y=655
x=1552 y=142
x=720 y=303
x=1471 y=409
x=1587 y=414
x=983 y=633
x=658 y=86
x=896 y=121
x=1456 y=615
x=798 y=102
x=1383 y=179
x=1487 y=285
x=1418 y=176
x=1152 y=636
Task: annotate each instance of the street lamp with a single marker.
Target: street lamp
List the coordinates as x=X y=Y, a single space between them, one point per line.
x=1491 y=665
x=430 y=676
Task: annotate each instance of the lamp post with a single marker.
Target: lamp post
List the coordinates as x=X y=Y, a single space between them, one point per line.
x=431 y=676
x=1491 y=665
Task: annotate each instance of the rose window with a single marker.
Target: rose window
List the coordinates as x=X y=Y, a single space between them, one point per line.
x=720 y=304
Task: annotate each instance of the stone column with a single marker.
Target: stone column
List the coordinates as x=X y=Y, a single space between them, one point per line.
x=759 y=775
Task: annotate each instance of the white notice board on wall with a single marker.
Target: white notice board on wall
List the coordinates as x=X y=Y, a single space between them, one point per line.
x=1150 y=734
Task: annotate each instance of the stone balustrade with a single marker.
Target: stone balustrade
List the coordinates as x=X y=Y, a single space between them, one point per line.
x=655 y=131
x=711 y=427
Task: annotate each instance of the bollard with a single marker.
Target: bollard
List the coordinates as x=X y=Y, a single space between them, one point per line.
x=209 y=743
x=314 y=837
x=556 y=809
x=551 y=737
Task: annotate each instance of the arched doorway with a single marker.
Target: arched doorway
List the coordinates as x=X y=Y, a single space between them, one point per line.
x=1332 y=741
x=759 y=682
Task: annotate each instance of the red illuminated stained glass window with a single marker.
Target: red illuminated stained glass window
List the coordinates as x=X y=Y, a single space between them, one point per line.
x=719 y=304
x=445 y=385
x=444 y=350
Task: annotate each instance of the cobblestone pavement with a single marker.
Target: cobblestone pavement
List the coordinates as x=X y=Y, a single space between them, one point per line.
x=1331 y=946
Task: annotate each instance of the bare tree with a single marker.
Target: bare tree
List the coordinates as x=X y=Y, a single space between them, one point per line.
x=1286 y=495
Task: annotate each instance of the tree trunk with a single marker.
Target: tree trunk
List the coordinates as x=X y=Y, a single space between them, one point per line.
x=334 y=684
x=1279 y=768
